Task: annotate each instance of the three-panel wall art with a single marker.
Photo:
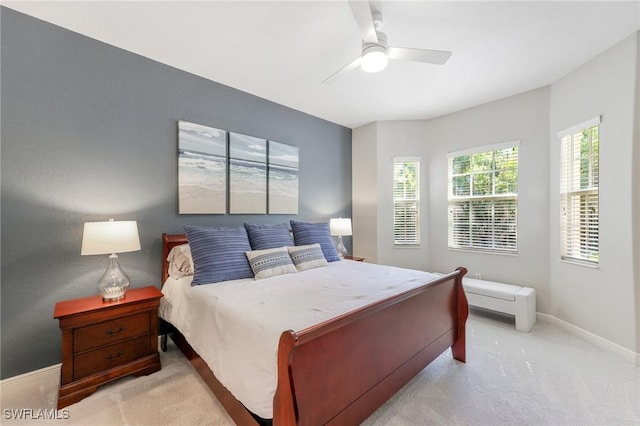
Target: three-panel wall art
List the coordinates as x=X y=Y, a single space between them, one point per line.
x=221 y=171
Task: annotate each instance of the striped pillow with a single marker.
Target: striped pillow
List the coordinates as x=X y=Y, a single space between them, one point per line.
x=270 y=262
x=307 y=257
x=266 y=236
x=218 y=254
x=311 y=233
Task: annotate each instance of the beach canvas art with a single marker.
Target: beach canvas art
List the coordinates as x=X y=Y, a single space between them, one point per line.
x=283 y=178
x=247 y=174
x=202 y=169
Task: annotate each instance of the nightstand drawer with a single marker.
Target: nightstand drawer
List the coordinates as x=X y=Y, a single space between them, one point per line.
x=108 y=332
x=110 y=356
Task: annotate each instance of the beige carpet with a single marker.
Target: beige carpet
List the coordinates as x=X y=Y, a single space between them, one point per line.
x=175 y=395
x=546 y=377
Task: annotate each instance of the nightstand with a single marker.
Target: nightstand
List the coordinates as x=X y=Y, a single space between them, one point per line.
x=103 y=341
x=355 y=258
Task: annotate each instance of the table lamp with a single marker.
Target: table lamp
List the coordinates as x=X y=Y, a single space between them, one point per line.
x=110 y=238
x=340 y=227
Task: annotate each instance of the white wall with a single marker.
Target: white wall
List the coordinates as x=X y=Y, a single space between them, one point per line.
x=402 y=139
x=636 y=207
x=603 y=301
x=600 y=300
x=364 y=192
x=522 y=117
x=373 y=149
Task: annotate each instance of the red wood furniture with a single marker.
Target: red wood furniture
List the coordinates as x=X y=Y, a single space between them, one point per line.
x=340 y=371
x=103 y=341
x=355 y=258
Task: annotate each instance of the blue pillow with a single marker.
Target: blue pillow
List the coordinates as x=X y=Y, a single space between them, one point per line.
x=266 y=236
x=305 y=233
x=218 y=254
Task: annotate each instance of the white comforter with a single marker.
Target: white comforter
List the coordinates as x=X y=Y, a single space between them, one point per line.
x=235 y=326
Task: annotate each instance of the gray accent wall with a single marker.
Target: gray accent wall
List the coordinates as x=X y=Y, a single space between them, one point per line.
x=89 y=132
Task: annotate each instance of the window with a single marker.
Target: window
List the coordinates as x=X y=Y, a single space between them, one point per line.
x=579 y=196
x=483 y=198
x=406 y=202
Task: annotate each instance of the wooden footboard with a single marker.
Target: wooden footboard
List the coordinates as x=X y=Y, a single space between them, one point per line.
x=340 y=371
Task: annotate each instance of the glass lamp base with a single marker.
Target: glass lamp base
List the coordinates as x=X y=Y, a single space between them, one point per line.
x=342 y=250
x=114 y=282
x=111 y=295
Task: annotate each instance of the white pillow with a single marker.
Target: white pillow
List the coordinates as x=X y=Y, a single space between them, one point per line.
x=180 y=261
x=270 y=262
x=307 y=257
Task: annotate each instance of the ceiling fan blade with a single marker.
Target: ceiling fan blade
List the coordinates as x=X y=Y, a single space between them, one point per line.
x=362 y=13
x=344 y=70
x=438 y=57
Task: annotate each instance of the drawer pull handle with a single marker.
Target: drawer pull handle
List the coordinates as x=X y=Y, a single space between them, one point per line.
x=118 y=355
x=111 y=332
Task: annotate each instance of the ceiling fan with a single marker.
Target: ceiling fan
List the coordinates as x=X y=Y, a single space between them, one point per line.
x=375 y=51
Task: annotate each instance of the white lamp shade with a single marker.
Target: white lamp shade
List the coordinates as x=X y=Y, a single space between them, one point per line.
x=110 y=237
x=340 y=226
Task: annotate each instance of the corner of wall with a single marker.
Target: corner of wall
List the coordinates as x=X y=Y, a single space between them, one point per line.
x=636 y=197
x=364 y=190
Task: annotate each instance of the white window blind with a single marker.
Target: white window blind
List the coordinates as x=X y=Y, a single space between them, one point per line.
x=579 y=194
x=406 y=202
x=483 y=198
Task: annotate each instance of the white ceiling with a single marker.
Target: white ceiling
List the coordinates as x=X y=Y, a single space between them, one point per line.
x=283 y=50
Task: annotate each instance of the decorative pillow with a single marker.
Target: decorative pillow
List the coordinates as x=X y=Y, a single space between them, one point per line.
x=305 y=233
x=307 y=257
x=180 y=261
x=266 y=236
x=270 y=262
x=218 y=254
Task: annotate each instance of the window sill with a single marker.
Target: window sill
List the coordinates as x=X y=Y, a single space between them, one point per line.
x=500 y=253
x=583 y=264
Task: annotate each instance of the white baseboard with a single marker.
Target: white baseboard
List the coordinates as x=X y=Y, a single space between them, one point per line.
x=28 y=381
x=594 y=339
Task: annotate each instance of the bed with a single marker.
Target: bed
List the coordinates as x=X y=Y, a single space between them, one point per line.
x=336 y=371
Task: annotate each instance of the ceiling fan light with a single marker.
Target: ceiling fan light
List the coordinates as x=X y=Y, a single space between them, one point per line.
x=374 y=59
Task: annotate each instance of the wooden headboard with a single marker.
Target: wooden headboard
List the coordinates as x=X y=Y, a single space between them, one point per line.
x=169 y=241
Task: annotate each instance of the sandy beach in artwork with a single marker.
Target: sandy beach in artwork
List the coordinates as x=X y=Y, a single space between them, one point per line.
x=248 y=203
x=283 y=204
x=196 y=199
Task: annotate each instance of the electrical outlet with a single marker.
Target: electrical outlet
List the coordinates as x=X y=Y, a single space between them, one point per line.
x=478 y=276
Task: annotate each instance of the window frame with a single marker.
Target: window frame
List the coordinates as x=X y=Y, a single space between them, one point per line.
x=409 y=201
x=496 y=205
x=579 y=227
